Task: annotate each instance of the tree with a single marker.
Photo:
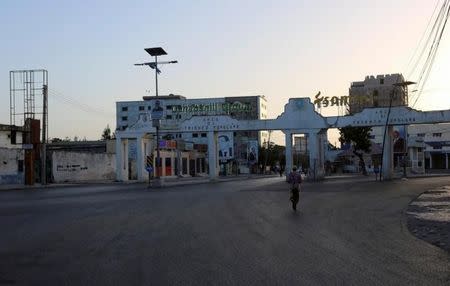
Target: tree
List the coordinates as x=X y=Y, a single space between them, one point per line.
x=359 y=138
x=274 y=155
x=56 y=140
x=106 y=135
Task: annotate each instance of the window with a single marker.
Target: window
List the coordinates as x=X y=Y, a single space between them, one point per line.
x=195 y=135
x=178 y=116
x=375 y=98
x=20 y=166
x=419 y=149
x=169 y=107
x=203 y=134
x=203 y=163
x=168 y=116
x=125 y=108
x=421 y=134
x=381 y=80
x=149 y=107
x=13 y=137
x=124 y=118
x=198 y=169
x=437 y=134
x=141 y=108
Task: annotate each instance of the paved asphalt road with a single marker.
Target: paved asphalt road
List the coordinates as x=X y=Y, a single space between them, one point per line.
x=347 y=232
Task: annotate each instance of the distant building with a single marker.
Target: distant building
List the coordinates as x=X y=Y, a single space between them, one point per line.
x=238 y=151
x=300 y=144
x=411 y=142
x=11 y=136
x=379 y=91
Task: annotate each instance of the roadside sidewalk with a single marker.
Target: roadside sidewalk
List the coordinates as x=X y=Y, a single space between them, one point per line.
x=167 y=182
x=428 y=217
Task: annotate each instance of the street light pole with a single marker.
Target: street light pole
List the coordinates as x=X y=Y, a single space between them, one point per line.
x=158 y=155
x=156 y=74
x=157 y=111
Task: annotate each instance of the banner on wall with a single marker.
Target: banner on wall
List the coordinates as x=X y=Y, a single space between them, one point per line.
x=252 y=152
x=400 y=136
x=226 y=146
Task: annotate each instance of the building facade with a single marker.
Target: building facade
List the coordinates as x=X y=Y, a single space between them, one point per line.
x=378 y=91
x=238 y=150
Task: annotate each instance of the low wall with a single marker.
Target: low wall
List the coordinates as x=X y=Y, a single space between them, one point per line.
x=9 y=166
x=69 y=166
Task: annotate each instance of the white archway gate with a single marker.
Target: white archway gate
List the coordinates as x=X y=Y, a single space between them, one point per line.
x=299 y=116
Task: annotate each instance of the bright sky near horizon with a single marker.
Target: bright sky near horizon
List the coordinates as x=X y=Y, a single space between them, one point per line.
x=280 y=49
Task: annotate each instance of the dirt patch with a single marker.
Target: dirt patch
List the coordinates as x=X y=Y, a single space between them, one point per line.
x=428 y=217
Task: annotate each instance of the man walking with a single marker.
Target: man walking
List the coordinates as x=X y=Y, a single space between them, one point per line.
x=295 y=179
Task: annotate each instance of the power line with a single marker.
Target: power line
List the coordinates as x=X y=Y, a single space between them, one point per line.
x=437 y=31
x=79 y=105
x=419 y=44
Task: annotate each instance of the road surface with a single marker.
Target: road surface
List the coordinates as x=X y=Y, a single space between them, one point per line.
x=347 y=232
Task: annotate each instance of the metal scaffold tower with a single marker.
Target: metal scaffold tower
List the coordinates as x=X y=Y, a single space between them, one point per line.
x=29 y=109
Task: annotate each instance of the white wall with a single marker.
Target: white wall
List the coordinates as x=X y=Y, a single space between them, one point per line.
x=83 y=166
x=9 y=166
x=5 y=139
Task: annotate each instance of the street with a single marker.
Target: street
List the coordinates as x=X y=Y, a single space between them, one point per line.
x=346 y=232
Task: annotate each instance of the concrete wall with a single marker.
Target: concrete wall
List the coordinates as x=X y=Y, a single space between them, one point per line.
x=82 y=166
x=9 y=166
x=5 y=139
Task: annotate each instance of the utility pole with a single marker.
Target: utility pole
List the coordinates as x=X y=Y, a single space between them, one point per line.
x=44 y=135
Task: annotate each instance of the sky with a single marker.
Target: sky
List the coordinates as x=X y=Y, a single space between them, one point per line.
x=280 y=49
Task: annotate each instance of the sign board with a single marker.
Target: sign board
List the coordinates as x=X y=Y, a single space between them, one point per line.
x=27 y=146
x=189 y=146
x=157 y=112
x=156 y=122
x=210 y=123
x=226 y=146
x=252 y=152
x=221 y=108
x=168 y=144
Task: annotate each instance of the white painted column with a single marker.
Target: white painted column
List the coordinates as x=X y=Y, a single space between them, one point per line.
x=288 y=141
x=388 y=155
x=446 y=160
x=431 y=161
x=323 y=141
x=119 y=159
x=140 y=163
x=314 y=162
x=179 y=162
x=212 y=155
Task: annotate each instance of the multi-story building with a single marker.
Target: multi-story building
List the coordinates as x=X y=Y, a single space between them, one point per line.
x=380 y=91
x=408 y=146
x=238 y=151
x=11 y=154
x=437 y=144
